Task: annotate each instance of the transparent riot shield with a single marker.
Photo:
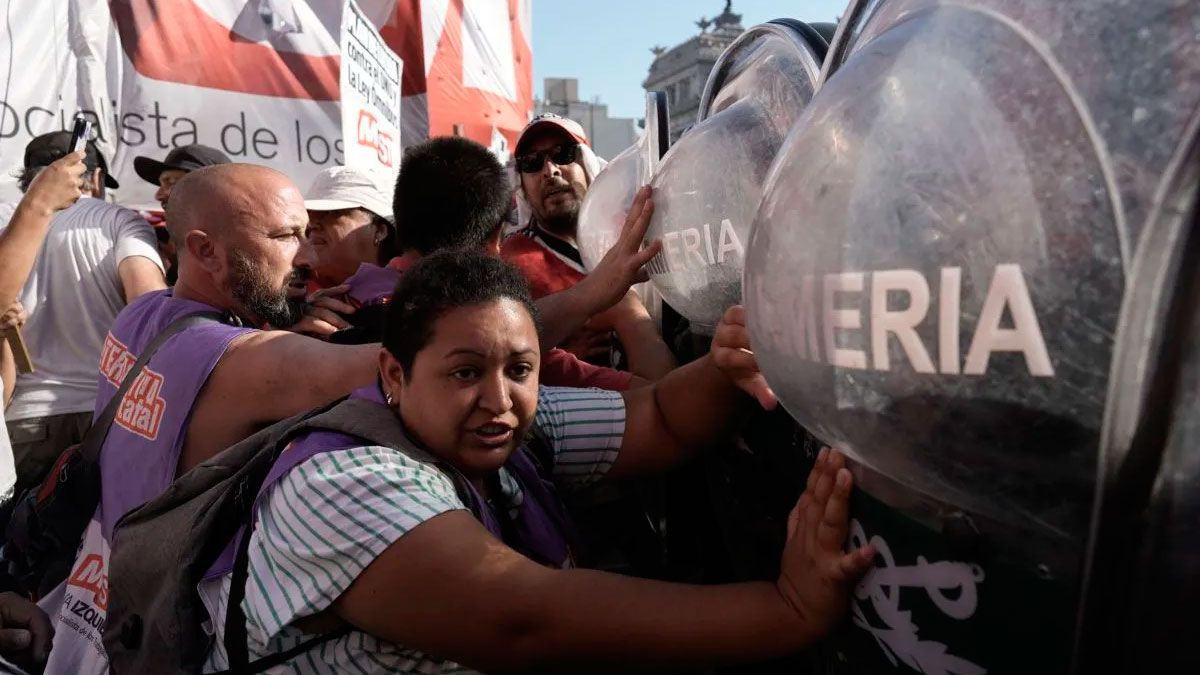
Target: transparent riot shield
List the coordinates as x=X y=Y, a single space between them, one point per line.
x=711 y=180
x=936 y=279
x=1140 y=580
x=606 y=204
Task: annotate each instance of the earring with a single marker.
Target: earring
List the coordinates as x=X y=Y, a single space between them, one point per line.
x=387 y=398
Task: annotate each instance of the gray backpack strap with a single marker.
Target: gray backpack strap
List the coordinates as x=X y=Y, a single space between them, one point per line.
x=374 y=424
x=370 y=421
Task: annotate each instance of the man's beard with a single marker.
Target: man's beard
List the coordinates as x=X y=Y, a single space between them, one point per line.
x=254 y=291
x=563 y=224
x=564 y=220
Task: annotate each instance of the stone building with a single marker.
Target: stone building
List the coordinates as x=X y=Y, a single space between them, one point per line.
x=682 y=70
x=609 y=135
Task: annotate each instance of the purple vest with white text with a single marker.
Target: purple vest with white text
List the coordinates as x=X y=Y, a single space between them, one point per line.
x=139 y=457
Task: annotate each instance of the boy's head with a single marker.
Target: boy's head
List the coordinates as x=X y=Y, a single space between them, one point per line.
x=451 y=194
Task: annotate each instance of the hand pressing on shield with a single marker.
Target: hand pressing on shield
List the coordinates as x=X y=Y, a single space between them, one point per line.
x=731 y=351
x=623 y=265
x=816 y=575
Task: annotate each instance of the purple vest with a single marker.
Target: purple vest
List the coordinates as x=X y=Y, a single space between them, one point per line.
x=141 y=453
x=138 y=460
x=540 y=529
x=371 y=284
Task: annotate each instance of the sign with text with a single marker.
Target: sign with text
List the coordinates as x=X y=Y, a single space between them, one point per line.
x=370 y=84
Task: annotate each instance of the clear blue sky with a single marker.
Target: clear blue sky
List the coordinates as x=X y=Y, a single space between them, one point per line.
x=606 y=43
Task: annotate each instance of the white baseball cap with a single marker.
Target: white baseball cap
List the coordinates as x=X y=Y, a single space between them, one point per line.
x=568 y=127
x=341 y=187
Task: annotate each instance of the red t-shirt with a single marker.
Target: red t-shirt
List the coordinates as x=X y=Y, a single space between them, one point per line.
x=549 y=264
x=561 y=368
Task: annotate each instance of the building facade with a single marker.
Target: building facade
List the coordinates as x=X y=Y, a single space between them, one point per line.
x=682 y=70
x=609 y=135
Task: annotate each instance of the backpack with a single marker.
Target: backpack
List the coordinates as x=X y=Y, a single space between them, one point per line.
x=47 y=522
x=157 y=628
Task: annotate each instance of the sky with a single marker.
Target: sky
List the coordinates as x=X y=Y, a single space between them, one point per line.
x=606 y=43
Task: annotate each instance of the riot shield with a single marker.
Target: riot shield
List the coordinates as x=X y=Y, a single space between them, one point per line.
x=606 y=204
x=711 y=179
x=943 y=279
x=1140 y=581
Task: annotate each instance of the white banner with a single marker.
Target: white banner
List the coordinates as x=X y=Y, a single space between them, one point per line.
x=370 y=84
x=255 y=79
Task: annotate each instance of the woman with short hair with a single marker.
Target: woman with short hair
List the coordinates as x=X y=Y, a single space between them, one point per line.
x=453 y=554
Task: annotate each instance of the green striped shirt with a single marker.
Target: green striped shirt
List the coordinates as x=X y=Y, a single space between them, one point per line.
x=329 y=517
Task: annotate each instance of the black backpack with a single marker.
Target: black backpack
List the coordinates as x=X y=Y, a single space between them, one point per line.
x=156 y=628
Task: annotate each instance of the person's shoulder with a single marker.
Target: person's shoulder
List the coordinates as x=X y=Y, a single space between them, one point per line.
x=372 y=283
x=552 y=393
x=562 y=368
x=108 y=213
x=154 y=311
x=519 y=244
x=92 y=204
x=141 y=306
x=366 y=474
x=149 y=299
x=557 y=405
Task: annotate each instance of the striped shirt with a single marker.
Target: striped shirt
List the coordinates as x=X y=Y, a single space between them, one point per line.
x=329 y=517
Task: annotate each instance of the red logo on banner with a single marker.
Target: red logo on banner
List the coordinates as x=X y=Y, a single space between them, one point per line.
x=370 y=136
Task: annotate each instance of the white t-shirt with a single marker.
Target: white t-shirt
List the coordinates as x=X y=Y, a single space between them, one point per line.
x=72 y=297
x=330 y=516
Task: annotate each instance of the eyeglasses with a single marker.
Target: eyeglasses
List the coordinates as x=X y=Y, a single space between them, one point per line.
x=561 y=155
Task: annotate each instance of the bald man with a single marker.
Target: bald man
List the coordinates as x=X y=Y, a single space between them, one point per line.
x=238 y=229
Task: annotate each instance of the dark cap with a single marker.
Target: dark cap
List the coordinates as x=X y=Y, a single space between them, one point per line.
x=49 y=148
x=186 y=158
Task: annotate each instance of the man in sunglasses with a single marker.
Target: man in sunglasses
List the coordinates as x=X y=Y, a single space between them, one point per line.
x=555 y=166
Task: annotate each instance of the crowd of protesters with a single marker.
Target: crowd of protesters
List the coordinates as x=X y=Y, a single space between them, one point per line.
x=432 y=389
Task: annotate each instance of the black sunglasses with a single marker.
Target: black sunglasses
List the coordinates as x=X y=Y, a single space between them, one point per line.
x=561 y=155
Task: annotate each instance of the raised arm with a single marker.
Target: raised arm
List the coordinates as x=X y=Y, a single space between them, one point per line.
x=564 y=312
x=696 y=406
x=527 y=618
x=649 y=357
x=140 y=275
x=55 y=188
x=135 y=249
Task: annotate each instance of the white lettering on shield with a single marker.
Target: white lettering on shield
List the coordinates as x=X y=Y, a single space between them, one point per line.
x=949 y=585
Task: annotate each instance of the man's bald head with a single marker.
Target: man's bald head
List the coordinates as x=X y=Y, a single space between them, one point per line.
x=238 y=229
x=217 y=198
